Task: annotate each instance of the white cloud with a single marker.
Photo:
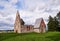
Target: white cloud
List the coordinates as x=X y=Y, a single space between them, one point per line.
x=32 y=9
x=42 y=8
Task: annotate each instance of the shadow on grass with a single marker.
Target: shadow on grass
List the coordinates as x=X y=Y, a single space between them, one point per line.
x=4 y=36
x=55 y=37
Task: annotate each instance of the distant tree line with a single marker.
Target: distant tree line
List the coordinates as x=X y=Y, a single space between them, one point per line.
x=54 y=23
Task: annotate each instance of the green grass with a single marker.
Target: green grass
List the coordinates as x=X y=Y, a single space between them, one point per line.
x=49 y=36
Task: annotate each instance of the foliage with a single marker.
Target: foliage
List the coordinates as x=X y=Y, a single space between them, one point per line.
x=22 y=22
x=53 y=24
x=56 y=23
x=50 y=24
x=58 y=18
x=58 y=14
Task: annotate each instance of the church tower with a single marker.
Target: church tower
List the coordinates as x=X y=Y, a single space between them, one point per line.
x=17 y=24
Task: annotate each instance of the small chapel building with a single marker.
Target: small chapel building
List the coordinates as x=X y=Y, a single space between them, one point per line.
x=39 y=27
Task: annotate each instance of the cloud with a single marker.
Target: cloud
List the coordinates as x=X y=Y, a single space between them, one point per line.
x=29 y=10
x=3 y=24
x=7 y=14
x=41 y=8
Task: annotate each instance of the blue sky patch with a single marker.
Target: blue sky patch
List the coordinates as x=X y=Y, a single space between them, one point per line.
x=5 y=0
x=19 y=5
x=1 y=7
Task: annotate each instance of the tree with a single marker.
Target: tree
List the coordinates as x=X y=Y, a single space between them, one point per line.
x=58 y=14
x=56 y=23
x=22 y=22
x=58 y=18
x=50 y=24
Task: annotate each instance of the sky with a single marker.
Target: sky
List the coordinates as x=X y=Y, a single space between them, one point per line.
x=29 y=11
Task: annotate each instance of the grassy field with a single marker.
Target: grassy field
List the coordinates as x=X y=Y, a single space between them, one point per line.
x=49 y=36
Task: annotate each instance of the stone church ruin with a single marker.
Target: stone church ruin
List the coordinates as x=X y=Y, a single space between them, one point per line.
x=39 y=26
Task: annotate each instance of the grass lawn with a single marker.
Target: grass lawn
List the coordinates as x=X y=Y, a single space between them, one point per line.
x=49 y=36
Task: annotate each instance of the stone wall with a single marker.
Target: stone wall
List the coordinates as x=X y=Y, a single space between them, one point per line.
x=27 y=28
